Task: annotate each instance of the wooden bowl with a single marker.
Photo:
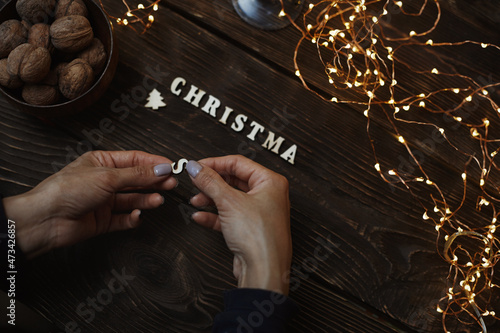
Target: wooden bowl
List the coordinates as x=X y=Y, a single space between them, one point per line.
x=103 y=30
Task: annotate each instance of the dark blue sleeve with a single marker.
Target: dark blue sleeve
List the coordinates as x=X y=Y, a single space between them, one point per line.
x=254 y=311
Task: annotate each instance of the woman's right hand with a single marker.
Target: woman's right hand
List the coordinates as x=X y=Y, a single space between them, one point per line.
x=254 y=219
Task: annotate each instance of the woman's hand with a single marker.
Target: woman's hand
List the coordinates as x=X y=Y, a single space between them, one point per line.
x=255 y=220
x=83 y=200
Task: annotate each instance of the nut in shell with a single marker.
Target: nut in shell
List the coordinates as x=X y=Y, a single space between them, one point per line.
x=75 y=78
x=13 y=33
x=7 y=80
x=70 y=7
x=71 y=33
x=36 y=11
x=28 y=62
x=40 y=94
x=95 y=55
x=39 y=35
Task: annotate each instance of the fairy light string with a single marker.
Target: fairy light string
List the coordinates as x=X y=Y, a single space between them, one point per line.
x=139 y=19
x=363 y=61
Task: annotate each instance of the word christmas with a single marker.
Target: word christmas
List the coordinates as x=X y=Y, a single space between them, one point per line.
x=212 y=105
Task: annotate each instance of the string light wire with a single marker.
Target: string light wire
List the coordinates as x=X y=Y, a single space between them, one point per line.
x=139 y=19
x=365 y=65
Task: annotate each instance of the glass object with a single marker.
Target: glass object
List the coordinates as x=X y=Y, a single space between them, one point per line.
x=265 y=14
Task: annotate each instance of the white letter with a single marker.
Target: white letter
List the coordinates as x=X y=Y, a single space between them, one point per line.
x=256 y=128
x=194 y=97
x=211 y=105
x=270 y=142
x=226 y=114
x=174 y=87
x=289 y=155
x=239 y=122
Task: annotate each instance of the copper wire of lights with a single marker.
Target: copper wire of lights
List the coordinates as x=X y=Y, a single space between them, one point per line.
x=362 y=62
x=138 y=19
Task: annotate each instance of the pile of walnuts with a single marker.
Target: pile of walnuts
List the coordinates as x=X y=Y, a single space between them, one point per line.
x=50 y=52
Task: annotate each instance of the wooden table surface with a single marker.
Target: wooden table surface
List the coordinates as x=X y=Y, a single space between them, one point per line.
x=364 y=260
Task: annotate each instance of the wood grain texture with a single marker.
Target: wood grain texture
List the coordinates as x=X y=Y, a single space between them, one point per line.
x=384 y=273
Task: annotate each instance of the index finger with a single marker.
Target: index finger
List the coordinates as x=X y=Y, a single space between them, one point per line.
x=126 y=159
x=241 y=169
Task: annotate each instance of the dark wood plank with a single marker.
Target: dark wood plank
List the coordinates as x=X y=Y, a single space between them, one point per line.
x=334 y=186
x=277 y=47
x=29 y=146
x=57 y=274
x=384 y=254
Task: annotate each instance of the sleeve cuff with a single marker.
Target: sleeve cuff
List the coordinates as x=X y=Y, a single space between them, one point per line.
x=254 y=311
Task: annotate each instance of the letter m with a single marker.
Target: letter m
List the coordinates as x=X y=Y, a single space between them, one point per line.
x=271 y=142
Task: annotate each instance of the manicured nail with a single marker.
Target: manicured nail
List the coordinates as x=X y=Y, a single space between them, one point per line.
x=162 y=169
x=193 y=168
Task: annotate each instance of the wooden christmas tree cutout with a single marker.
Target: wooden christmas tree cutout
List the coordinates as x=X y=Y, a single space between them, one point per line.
x=155 y=100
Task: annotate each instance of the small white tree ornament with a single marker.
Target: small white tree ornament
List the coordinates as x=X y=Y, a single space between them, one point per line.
x=155 y=100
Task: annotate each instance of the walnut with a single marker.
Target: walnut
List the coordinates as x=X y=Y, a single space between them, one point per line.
x=36 y=11
x=95 y=55
x=70 y=7
x=7 y=80
x=40 y=94
x=29 y=62
x=76 y=78
x=39 y=35
x=13 y=33
x=71 y=33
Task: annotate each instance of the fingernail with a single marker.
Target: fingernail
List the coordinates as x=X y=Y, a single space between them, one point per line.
x=193 y=168
x=162 y=169
x=162 y=200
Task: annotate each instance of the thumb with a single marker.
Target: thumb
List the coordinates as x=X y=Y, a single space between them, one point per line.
x=208 y=181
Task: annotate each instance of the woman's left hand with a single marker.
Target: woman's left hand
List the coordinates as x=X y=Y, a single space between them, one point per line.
x=83 y=200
